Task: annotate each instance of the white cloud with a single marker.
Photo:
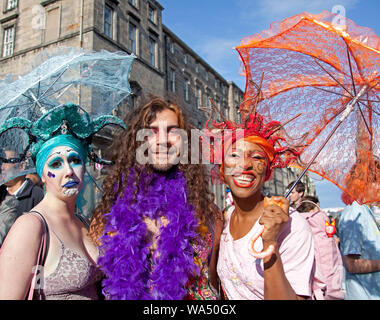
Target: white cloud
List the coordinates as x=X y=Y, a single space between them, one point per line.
x=255 y=16
x=216 y=51
x=272 y=10
x=220 y=54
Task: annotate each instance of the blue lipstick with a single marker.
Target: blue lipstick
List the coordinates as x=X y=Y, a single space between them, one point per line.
x=70 y=184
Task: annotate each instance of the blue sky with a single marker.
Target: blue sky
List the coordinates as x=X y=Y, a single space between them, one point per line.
x=213 y=27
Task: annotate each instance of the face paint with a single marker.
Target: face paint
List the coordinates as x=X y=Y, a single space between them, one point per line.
x=66 y=165
x=55 y=163
x=68 y=192
x=245 y=167
x=51 y=175
x=258 y=161
x=74 y=159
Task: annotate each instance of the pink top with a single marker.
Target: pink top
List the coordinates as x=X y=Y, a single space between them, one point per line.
x=327 y=256
x=242 y=275
x=74 y=278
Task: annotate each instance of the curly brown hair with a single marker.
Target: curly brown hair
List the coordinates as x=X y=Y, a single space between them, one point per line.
x=124 y=157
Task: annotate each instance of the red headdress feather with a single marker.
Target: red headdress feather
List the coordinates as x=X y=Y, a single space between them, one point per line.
x=220 y=135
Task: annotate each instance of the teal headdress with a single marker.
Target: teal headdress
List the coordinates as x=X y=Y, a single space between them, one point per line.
x=61 y=126
x=64 y=125
x=37 y=113
x=36 y=108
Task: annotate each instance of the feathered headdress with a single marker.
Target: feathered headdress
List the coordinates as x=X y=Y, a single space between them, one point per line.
x=218 y=136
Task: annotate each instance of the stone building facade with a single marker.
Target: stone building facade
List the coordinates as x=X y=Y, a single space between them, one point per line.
x=164 y=66
x=132 y=26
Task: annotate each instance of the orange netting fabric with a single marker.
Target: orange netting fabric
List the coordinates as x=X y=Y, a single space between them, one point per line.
x=313 y=67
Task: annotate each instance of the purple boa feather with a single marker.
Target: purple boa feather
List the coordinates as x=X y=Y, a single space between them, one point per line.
x=125 y=263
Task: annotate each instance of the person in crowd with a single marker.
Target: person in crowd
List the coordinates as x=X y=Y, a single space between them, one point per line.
x=329 y=266
x=296 y=194
x=18 y=195
x=65 y=266
x=156 y=213
x=27 y=193
x=8 y=212
x=360 y=247
x=265 y=251
x=35 y=179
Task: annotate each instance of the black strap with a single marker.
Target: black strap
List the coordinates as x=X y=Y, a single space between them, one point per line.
x=83 y=220
x=80 y=217
x=43 y=259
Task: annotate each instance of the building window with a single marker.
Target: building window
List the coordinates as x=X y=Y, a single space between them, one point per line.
x=171 y=46
x=132 y=38
x=186 y=91
x=132 y=102
x=152 y=52
x=8 y=41
x=134 y=96
x=172 y=80
x=133 y=3
x=206 y=76
x=52 y=25
x=209 y=105
x=11 y=4
x=108 y=21
x=198 y=97
x=196 y=68
x=151 y=14
x=217 y=103
x=185 y=58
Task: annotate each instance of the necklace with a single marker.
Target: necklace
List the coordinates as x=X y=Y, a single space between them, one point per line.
x=126 y=263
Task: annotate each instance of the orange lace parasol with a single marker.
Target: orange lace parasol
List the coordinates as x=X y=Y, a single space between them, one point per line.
x=330 y=74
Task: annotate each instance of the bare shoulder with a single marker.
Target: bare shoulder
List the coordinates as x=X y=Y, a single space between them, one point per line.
x=26 y=230
x=30 y=222
x=18 y=256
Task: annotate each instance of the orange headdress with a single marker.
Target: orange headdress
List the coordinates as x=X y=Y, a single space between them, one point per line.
x=253 y=129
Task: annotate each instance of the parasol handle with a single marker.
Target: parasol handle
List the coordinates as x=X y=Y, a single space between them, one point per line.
x=266 y=253
x=349 y=108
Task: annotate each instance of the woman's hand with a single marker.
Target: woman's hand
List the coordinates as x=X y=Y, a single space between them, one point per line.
x=274 y=218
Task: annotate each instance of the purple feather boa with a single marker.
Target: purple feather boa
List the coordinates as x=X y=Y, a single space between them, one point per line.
x=125 y=263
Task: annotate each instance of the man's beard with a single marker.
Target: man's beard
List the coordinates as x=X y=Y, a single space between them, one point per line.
x=171 y=161
x=165 y=166
x=162 y=167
